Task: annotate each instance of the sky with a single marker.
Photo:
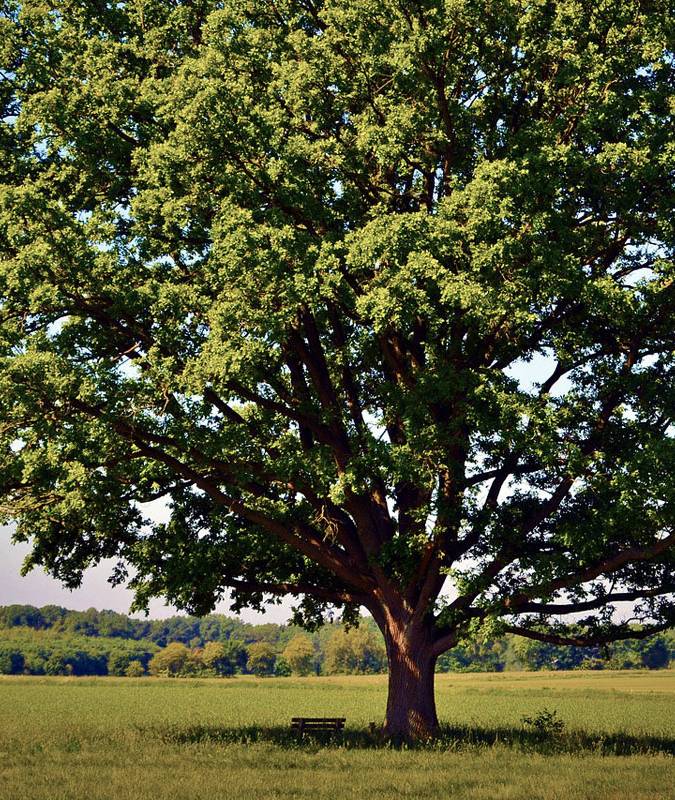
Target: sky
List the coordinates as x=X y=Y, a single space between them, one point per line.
x=39 y=589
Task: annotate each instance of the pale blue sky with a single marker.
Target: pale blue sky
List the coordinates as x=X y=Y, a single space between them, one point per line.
x=39 y=589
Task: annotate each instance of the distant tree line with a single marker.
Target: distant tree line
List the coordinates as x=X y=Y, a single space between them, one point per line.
x=92 y=622
x=43 y=652
x=56 y=641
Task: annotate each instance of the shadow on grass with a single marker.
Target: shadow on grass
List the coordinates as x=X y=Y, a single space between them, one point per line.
x=450 y=738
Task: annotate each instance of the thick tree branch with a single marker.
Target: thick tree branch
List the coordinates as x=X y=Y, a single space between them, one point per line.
x=618 y=634
x=283 y=588
x=605 y=566
x=553 y=609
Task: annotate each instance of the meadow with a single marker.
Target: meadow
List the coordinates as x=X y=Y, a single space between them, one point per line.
x=137 y=739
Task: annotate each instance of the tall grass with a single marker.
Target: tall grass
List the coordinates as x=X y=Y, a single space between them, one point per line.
x=181 y=738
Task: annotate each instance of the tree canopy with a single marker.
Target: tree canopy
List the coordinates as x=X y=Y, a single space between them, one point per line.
x=375 y=297
x=300 y=656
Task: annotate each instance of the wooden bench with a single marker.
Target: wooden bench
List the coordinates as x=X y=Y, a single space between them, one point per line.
x=314 y=724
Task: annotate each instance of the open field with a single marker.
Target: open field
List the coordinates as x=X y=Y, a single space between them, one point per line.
x=63 y=738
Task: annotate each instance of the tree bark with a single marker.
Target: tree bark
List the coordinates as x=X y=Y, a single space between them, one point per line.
x=411 y=705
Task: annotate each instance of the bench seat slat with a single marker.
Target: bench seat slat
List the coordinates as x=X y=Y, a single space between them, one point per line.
x=319 y=726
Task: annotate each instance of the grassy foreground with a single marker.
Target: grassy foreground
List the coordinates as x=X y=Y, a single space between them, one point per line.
x=63 y=738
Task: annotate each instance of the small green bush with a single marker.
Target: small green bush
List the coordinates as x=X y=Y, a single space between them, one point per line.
x=546 y=722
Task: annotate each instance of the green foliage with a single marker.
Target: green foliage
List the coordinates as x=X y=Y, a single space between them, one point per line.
x=530 y=654
x=173 y=660
x=261 y=658
x=224 y=658
x=329 y=650
x=657 y=654
x=119 y=660
x=134 y=670
x=355 y=651
x=546 y=722
x=213 y=658
x=653 y=653
x=39 y=652
x=25 y=616
x=299 y=655
x=282 y=669
x=236 y=654
x=285 y=267
x=12 y=661
x=185 y=629
x=474 y=657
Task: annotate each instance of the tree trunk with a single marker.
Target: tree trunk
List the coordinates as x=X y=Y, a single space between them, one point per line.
x=411 y=707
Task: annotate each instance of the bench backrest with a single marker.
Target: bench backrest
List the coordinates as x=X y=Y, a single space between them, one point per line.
x=318 y=723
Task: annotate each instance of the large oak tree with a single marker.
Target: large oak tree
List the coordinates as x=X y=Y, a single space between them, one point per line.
x=376 y=296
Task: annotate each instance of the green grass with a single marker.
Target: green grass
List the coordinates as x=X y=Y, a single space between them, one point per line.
x=63 y=738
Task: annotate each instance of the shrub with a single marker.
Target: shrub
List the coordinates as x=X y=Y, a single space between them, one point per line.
x=134 y=670
x=299 y=655
x=545 y=722
x=355 y=651
x=261 y=659
x=172 y=660
x=282 y=669
x=118 y=661
x=656 y=655
x=11 y=662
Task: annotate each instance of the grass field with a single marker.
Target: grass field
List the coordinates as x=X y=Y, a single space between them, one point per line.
x=63 y=738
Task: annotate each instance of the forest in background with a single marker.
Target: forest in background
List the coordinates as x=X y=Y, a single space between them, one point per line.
x=53 y=640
